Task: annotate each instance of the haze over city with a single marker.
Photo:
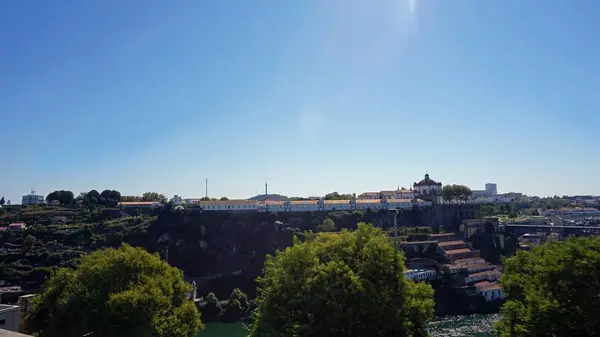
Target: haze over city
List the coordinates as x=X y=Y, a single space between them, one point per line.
x=347 y=96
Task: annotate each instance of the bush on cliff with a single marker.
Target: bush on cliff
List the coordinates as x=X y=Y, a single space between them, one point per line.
x=341 y=284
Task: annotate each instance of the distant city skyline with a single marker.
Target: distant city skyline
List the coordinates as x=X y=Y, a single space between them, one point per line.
x=258 y=192
x=319 y=96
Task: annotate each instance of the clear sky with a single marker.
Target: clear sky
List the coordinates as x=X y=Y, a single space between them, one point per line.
x=318 y=96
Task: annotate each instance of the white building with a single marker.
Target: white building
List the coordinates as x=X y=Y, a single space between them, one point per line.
x=9 y=317
x=33 y=199
x=490 y=276
x=419 y=274
x=429 y=188
x=392 y=194
x=309 y=205
x=492 y=189
x=491 y=291
x=578 y=211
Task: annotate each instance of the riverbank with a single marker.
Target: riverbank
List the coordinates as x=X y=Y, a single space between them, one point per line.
x=456 y=326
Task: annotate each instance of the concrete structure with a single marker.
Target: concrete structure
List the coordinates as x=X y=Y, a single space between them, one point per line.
x=420 y=274
x=140 y=204
x=33 y=199
x=6 y=333
x=9 y=317
x=492 y=189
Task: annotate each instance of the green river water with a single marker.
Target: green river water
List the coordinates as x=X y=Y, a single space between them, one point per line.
x=450 y=326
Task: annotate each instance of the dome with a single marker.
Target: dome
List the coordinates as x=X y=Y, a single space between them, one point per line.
x=427 y=182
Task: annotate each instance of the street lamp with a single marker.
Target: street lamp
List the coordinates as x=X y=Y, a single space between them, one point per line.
x=395 y=211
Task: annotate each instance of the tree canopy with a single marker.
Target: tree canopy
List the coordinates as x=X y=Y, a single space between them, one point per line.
x=116 y=292
x=456 y=192
x=553 y=290
x=341 y=284
x=2 y=201
x=62 y=196
x=328 y=225
x=154 y=196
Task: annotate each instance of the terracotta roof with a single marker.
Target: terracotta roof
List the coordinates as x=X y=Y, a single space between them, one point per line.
x=231 y=202
x=304 y=202
x=403 y=200
x=481 y=284
x=138 y=202
x=487 y=272
x=458 y=251
x=336 y=202
x=451 y=243
x=492 y=286
x=477 y=266
x=444 y=234
x=465 y=261
x=368 y=193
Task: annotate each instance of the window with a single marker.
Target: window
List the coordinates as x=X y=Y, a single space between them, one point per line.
x=2 y=321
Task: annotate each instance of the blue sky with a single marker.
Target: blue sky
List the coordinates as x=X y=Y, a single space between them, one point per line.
x=318 y=96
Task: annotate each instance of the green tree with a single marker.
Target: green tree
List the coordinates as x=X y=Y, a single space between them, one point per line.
x=62 y=196
x=2 y=201
x=116 y=292
x=224 y=199
x=341 y=284
x=29 y=241
x=553 y=290
x=239 y=295
x=456 y=192
x=327 y=226
x=154 y=196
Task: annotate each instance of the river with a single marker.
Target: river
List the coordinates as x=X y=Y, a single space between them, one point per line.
x=450 y=326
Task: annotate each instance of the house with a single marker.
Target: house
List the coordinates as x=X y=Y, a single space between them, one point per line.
x=9 y=317
x=452 y=245
x=462 y=253
x=490 y=276
x=17 y=226
x=140 y=204
x=491 y=291
x=419 y=274
x=33 y=199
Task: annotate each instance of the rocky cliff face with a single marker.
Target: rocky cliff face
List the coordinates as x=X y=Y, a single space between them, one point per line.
x=204 y=243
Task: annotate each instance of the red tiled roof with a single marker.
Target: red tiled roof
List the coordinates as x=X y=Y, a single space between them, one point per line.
x=458 y=251
x=451 y=243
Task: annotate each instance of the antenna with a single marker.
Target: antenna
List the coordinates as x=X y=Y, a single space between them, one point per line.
x=32 y=191
x=266 y=189
x=206 y=188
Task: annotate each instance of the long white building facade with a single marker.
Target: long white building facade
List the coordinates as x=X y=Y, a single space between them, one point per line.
x=309 y=205
x=423 y=194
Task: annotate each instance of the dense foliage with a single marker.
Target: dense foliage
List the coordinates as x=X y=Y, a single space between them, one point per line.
x=553 y=290
x=456 y=192
x=116 y=292
x=341 y=284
